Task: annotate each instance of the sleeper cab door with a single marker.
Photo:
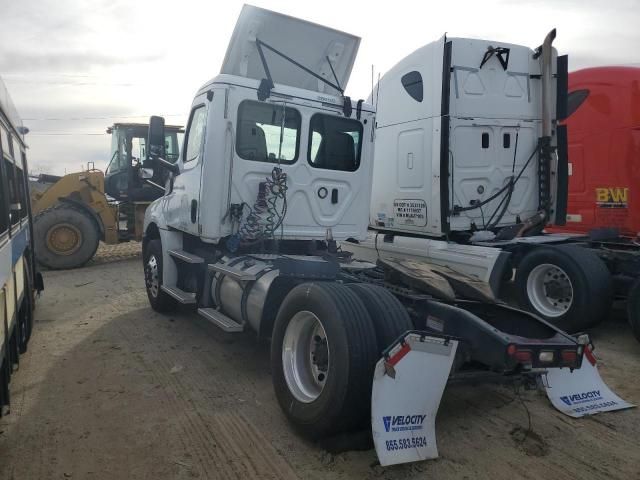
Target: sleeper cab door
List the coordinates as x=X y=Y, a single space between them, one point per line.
x=183 y=195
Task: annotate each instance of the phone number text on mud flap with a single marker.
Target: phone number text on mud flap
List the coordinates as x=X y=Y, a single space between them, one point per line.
x=405 y=443
x=588 y=408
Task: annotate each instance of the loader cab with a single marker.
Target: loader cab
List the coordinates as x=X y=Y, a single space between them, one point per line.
x=123 y=181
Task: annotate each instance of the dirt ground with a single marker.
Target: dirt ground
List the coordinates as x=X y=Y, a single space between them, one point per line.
x=110 y=389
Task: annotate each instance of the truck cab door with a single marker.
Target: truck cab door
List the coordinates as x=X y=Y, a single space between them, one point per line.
x=327 y=188
x=183 y=191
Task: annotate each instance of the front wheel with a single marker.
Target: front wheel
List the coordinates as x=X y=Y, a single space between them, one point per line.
x=567 y=285
x=160 y=301
x=65 y=237
x=323 y=355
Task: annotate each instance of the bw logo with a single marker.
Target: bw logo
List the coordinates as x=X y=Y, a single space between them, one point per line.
x=566 y=400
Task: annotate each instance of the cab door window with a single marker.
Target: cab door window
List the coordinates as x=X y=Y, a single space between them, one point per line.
x=195 y=134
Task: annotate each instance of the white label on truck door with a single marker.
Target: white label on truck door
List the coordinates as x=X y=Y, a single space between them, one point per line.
x=581 y=392
x=407 y=387
x=410 y=212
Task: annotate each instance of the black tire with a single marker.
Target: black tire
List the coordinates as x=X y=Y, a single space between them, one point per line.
x=160 y=301
x=77 y=232
x=633 y=309
x=389 y=317
x=590 y=281
x=343 y=404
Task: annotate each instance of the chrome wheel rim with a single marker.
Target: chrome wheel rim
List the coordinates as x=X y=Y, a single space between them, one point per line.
x=550 y=290
x=305 y=356
x=152 y=277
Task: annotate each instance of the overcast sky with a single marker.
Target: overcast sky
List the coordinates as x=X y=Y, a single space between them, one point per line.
x=75 y=67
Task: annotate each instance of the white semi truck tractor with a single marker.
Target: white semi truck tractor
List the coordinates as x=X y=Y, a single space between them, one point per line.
x=470 y=165
x=275 y=171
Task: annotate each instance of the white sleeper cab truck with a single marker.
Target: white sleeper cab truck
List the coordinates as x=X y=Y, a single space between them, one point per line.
x=471 y=164
x=275 y=170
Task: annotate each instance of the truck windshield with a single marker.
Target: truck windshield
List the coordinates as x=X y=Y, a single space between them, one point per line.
x=335 y=143
x=131 y=149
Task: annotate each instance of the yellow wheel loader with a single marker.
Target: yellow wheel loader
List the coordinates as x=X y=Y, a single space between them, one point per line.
x=73 y=213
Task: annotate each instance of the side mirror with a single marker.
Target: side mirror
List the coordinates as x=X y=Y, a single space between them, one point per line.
x=155 y=142
x=155 y=147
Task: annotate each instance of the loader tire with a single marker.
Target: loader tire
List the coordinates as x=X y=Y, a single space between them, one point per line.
x=323 y=355
x=159 y=300
x=633 y=309
x=567 y=285
x=65 y=237
x=389 y=317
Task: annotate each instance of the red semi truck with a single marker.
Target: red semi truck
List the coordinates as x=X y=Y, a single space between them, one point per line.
x=603 y=126
x=603 y=129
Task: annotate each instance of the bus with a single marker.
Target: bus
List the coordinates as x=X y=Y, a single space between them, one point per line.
x=19 y=279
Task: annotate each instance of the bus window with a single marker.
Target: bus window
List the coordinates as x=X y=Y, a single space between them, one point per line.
x=4 y=141
x=4 y=198
x=12 y=187
x=22 y=192
x=24 y=212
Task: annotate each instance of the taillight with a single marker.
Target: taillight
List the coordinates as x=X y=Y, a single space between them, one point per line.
x=524 y=356
x=569 y=356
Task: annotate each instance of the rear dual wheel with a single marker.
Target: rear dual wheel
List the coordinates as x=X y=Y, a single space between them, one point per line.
x=325 y=345
x=567 y=285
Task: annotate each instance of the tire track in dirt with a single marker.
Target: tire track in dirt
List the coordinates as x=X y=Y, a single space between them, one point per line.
x=226 y=443
x=561 y=459
x=246 y=456
x=192 y=436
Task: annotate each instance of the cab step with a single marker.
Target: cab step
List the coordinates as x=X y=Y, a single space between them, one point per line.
x=186 y=256
x=185 y=298
x=220 y=320
x=233 y=272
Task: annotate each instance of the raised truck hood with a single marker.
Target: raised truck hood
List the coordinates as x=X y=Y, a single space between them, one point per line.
x=307 y=43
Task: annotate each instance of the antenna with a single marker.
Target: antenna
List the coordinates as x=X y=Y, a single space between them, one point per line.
x=372 y=84
x=378 y=93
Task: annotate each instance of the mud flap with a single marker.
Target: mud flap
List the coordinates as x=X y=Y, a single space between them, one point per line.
x=407 y=386
x=581 y=392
